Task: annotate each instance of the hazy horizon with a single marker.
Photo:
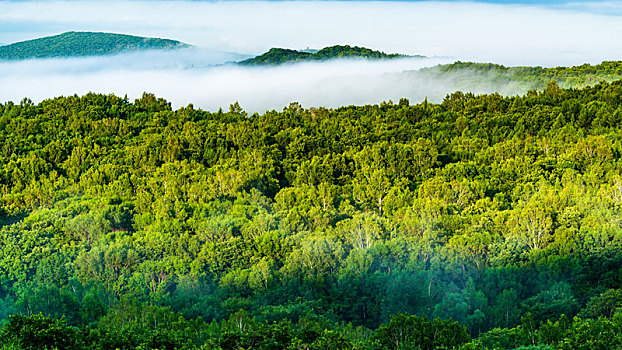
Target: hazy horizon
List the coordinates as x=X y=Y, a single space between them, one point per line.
x=557 y=33
x=512 y=34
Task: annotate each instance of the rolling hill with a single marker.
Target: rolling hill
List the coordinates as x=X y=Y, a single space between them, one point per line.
x=277 y=56
x=488 y=77
x=72 y=44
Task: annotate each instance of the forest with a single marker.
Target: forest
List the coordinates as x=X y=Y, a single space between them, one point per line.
x=481 y=222
x=77 y=44
x=485 y=77
x=276 y=56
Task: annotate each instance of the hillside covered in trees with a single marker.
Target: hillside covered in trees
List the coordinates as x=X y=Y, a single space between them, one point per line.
x=471 y=76
x=73 y=44
x=480 y=222
x=277 y=56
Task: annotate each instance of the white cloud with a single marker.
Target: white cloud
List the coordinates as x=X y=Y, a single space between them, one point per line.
x=510 y=34
x=331 y=84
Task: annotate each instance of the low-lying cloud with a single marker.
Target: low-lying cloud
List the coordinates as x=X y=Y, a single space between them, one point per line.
x=149 y=60
x=564 y=34
x=257 y=89
x=186 y=80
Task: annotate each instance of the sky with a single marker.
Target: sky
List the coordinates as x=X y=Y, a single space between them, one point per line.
x=519 y=32
x=558 y=32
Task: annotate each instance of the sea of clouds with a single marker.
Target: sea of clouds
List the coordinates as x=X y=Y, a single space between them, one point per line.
x=569 y=33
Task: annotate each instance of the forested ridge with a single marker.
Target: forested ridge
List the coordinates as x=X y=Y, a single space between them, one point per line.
x=566 y=77
x=76 y=44
x=480 y=222
x=276 y=56
x=487 y=77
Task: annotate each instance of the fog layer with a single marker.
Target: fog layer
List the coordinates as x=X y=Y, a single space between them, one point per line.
x=571 y=33
x=257 y=89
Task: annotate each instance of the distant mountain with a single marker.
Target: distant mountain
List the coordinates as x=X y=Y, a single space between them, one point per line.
x=279 y=56
x=72 y=44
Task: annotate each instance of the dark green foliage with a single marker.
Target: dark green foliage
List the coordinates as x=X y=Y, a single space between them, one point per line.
x=277 y=56
x=338 y=51
x=72 y=44
x=38 y=332
x=604 y=304
x=412 y=332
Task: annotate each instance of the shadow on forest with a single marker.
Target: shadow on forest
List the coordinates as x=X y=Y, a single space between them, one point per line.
x=8 y=220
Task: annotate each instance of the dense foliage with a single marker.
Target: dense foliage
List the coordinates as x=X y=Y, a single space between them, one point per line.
x=486 y=77
x=277 y=56
x=72 y=44
x=565 y=77
x=130 y=225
